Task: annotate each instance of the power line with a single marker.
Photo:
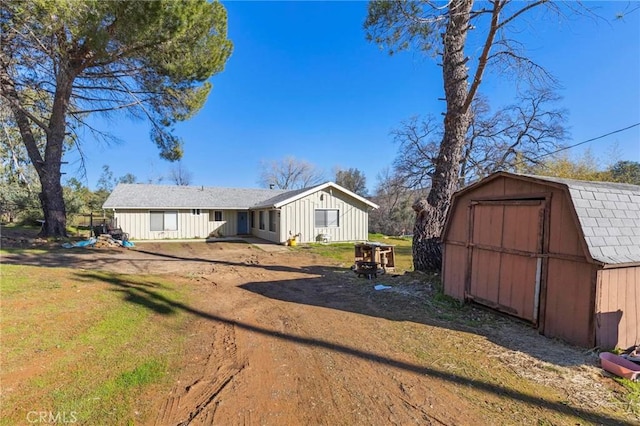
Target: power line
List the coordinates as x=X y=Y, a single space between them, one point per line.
x=587 y=141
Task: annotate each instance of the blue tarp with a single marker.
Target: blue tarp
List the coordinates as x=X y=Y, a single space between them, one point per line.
x=85 y=243
x=91 y=241
x=381 y=287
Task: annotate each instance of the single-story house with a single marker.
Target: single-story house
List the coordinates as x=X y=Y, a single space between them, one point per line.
x=561 y=254
x=325 y=212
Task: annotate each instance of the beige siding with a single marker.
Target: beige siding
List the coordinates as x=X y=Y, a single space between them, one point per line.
x=137 y=223
x=295 y=218
x=265 y=234
x=618 y=307
x=298 y=217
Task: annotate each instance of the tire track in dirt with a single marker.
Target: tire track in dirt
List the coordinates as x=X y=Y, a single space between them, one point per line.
x=196 y=403
x=325 y=385
x=282 y=339
x=289 y=383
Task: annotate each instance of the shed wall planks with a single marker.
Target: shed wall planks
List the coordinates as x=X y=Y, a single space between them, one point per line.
x=569 y=302
x=454 y=270
x=618 y=307
x=581 y=301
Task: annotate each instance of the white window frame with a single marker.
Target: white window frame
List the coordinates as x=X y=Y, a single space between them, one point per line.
x=169 y=220
x=272 y=221
x=327 y=218
x=215 y=216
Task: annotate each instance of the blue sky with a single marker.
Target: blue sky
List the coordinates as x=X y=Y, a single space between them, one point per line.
x=302 y=81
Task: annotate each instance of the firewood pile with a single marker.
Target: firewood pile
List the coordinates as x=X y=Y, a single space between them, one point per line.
x=106 y=241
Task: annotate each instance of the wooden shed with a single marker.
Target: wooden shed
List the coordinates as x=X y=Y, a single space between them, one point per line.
x=561 y=254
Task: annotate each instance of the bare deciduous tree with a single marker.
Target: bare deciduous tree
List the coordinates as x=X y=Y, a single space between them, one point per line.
x=443 y=29
x=417 y=140
x=512 y=138
x=289 y=173
x=179 y=175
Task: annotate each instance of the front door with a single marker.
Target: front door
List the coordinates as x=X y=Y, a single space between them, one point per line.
x=506 y=256
x=242 y=223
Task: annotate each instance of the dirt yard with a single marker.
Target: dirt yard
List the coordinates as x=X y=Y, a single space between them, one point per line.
x=288 y=338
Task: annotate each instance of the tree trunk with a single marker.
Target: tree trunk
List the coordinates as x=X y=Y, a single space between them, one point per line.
x=47 y=166
x=52 y=201
x=51 y=197
x=431 y=214
x=427 y=254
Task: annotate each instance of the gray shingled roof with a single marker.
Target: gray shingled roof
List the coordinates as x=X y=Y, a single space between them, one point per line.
x=609 y=214
x=187 y=197
x=272 y=201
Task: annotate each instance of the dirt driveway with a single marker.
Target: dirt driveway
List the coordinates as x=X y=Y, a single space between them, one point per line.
x=287 y=338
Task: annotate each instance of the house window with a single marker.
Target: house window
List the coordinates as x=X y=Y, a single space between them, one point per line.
x=253 y=220
x=164 y=221
x=215 y=216
x=327 y=218
x=261 y=218
x=272 y=220
x=195 y=212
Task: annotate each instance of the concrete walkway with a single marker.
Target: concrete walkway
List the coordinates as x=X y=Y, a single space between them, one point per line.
x=263 y=245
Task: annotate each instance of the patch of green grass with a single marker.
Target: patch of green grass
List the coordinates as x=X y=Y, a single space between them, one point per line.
x=442 y=300
x=450 y=309
x=76 y=233
x=148 y=372
x=93 y=343
x=342 y=252
x=345 y=252
x=14 y=279
x=23 y=251
x=22 y=227
x=112 y=398
x=633 y=395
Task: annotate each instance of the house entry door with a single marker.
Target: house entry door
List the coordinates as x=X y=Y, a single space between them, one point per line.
x=243 y=227
x=506 y=256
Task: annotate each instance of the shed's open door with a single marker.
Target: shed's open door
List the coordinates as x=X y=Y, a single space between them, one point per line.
x=505 y=259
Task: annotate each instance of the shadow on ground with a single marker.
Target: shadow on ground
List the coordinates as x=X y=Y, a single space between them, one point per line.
x=309 y=291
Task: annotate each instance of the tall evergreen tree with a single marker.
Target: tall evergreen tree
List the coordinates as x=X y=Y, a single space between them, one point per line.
x=151 y=59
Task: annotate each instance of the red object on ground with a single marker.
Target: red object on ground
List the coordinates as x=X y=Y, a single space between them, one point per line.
x=619 y=366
